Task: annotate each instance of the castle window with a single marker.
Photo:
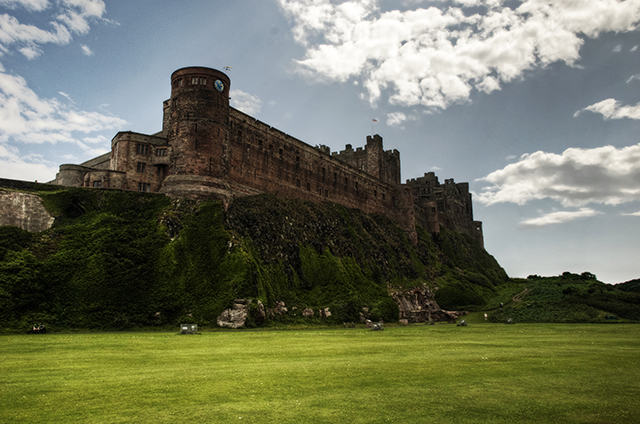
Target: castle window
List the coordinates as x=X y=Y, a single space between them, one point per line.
x=177 y=83
x=440 y=207
x=326 y=193
x=281 y=153
x=97 y=184
x=203 y=81
x=356 y=187
x=142 y=149
x=297 y=162
x=161 y=152
x=297 y=182
x=383 y=196
x=239 y=134
x=194 y=80
x=309 y=186
x=270 y=149
x=260 y=145
x=324 y=171
x=144 y=187
x=375 y=193
x=141 y=167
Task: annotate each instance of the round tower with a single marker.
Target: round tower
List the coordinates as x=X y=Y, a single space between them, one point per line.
x=197 y=117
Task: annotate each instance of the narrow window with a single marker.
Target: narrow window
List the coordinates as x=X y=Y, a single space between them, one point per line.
x=297 y=162
x=161 y=152
x=260 y=145
x=144 y=187
x=203 y=81
x=298 y=182
x=308 y=186
x=281 y=154
x=142 y=149
x=194 y=80
x=141 y=167
x=97 y=184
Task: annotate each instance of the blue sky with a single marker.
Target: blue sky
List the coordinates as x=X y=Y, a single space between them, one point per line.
x=535 y=103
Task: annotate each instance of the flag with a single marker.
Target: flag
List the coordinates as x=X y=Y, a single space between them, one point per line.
x=374 y=120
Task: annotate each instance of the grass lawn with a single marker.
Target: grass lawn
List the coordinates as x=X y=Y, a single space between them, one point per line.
x=483 y=373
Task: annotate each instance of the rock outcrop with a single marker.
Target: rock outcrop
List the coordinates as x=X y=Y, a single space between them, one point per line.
x=24 y=210
x=235 y=316
x=419 y=305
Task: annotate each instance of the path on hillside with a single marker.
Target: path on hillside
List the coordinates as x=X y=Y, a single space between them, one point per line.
x=519 y=296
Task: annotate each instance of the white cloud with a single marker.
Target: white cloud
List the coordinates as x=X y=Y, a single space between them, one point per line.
x=245 y=102
x=397 y=118
x=634 y=48
x=21 y=167
x=70 y=16
x=437 y=56
x=577 y=177
x=86 y=50
x=611 y=109
x=633 y=77
x=632 y=214
x=558 y=218
x=26 y=118
x=618 y=48
x=29 y=37
x=34 y=5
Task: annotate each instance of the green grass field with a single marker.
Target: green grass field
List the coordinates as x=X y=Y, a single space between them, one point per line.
x=483 y=373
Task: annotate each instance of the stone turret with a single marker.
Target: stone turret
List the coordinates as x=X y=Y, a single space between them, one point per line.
x=195 y=123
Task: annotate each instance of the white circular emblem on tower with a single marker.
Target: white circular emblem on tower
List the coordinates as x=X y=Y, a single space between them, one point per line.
x=219 y=85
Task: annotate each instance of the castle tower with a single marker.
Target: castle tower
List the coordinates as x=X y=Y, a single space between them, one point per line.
x=195 y=124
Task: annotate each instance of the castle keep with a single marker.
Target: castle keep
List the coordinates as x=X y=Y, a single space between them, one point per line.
x=207 y=149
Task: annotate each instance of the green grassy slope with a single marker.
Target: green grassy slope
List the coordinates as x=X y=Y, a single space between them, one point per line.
x=564 y=298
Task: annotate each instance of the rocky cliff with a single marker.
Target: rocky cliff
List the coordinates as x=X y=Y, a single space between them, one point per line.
x=117 y=260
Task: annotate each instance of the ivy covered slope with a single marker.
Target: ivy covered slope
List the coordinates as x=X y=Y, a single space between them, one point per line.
x=120 y=260
x=566 y=298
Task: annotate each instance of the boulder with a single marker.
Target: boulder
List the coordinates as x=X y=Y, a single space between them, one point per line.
x=235 y=316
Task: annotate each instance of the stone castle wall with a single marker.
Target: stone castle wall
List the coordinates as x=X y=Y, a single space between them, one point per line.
x=207 y=149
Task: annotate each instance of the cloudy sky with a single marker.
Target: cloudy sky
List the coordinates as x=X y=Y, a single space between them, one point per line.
x=535 y=103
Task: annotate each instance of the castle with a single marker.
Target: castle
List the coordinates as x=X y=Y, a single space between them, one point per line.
x=209 y=150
